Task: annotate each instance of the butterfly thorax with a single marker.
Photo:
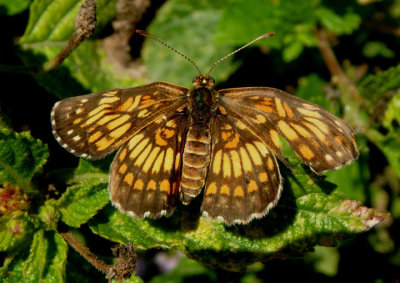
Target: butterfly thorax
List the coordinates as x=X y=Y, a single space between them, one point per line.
x=201 y=103
x=196 y=156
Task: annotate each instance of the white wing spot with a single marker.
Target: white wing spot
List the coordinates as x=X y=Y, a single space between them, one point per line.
x=220 y=218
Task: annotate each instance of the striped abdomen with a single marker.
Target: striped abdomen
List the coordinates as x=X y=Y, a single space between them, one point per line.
x=196 y=158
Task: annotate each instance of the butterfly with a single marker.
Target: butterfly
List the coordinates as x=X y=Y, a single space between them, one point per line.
x=174 y=143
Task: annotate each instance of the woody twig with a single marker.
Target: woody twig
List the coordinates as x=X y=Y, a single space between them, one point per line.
x=85 y=23
x=338 y=75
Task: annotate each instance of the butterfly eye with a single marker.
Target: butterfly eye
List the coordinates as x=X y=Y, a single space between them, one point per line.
x=212 y=79
x=195 y=79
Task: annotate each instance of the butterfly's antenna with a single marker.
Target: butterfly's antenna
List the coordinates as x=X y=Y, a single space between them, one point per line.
x=142 y=32
x=268 y=34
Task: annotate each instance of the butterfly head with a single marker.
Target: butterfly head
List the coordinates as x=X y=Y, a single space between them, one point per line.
x=203 y=82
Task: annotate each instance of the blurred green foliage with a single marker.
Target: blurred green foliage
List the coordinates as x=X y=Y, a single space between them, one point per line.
x=11 y=8
x=315 y=223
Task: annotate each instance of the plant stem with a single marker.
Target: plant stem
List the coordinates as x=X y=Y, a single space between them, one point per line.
x=85 y=252
x=125 y=261
x=85 y=23
x=338 y=75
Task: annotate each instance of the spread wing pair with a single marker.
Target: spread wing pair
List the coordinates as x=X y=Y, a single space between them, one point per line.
x=148 y=124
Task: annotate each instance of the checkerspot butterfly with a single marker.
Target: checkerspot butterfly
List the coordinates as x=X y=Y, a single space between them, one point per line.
x=174 y=143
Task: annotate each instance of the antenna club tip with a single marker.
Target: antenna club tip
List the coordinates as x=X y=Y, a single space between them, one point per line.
x=141 y=32
x=268 y=34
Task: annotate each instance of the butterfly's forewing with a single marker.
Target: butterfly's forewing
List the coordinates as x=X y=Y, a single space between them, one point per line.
x=243 y=180
x=320 y=139
x=145 y=174
x=94 y=125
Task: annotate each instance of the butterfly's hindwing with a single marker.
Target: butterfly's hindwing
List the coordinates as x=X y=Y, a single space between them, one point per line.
x=145 y=174
x=321 y=140
x=243 y=180
x=94 y=125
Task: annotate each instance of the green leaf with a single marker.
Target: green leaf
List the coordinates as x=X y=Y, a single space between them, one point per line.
x=292 y=51
x=132 y=279
x=392 y=114
x=395 y=207
x=51 y=23
x=47 y=258
x=85 y=70
x=49 y=215
x=5 y=122
x=308 y=213
x=53 y=20
x=242 y=21
x=183 y=272
x=44 y=263
x=385 y=87
x=310 y=89
x=105 y=13
x=93 y=171
x=292 y=22
x=13 y=7
x=324 y=259
x=339 y=24
x=353 y=180
x=389 y=144
x=11 y=271
x=81 y=201
x=381 y=241
x=190 y=27
x=15 y=231
x=21 y=156
x=377 y=48
x=377 y=85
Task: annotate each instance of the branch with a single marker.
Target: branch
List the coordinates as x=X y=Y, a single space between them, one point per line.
x=85 y=252
x=85 y=23
x=338 y=75
x=123 y=267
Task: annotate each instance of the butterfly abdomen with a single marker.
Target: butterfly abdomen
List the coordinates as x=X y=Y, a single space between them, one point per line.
x=196 y=158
